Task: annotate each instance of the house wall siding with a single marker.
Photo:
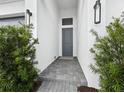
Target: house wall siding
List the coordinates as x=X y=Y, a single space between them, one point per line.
x=7 y=8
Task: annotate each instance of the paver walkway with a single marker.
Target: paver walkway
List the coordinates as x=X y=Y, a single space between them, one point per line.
x=63 y=75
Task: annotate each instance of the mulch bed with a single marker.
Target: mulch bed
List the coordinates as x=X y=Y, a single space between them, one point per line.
x=36 y=86
x=86 y=89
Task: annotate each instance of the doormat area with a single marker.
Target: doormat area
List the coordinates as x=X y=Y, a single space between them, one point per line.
x=36 y=86
x=86 y=89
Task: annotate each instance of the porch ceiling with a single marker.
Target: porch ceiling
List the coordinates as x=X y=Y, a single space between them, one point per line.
x=67 y=4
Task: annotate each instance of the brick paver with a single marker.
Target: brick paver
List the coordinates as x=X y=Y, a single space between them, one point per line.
x=63 y=75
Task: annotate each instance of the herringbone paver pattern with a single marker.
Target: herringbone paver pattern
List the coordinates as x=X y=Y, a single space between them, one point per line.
x=63 y=75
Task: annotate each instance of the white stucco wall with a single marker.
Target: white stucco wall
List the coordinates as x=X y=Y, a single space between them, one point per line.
x=114 y=9
x=47 y=32
x=68 y=13
x=86 y=39
x=13 y=7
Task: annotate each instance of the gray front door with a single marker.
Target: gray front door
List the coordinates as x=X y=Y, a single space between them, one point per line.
x=67 y=41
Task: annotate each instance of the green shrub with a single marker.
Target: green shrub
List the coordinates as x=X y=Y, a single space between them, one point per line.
x=17 y=54
x=109 y=56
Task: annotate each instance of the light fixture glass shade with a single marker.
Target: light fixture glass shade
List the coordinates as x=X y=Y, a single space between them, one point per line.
x=97 y=12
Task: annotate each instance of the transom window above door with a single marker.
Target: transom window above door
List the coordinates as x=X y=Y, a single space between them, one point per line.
x=67 y=21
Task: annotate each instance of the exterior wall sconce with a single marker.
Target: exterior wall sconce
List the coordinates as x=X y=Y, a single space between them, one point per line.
x=97 y=12
x=28 y=16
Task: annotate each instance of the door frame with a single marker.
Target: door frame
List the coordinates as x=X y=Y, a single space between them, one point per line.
x=74 y=33
x=72 y=42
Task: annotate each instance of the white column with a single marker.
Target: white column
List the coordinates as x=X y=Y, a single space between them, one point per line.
x=32 y=6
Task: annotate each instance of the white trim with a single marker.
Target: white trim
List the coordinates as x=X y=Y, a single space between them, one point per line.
x=12 y=15
x=9 y=1
x=72 y=43
x=67 y=26
x=74 y=26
